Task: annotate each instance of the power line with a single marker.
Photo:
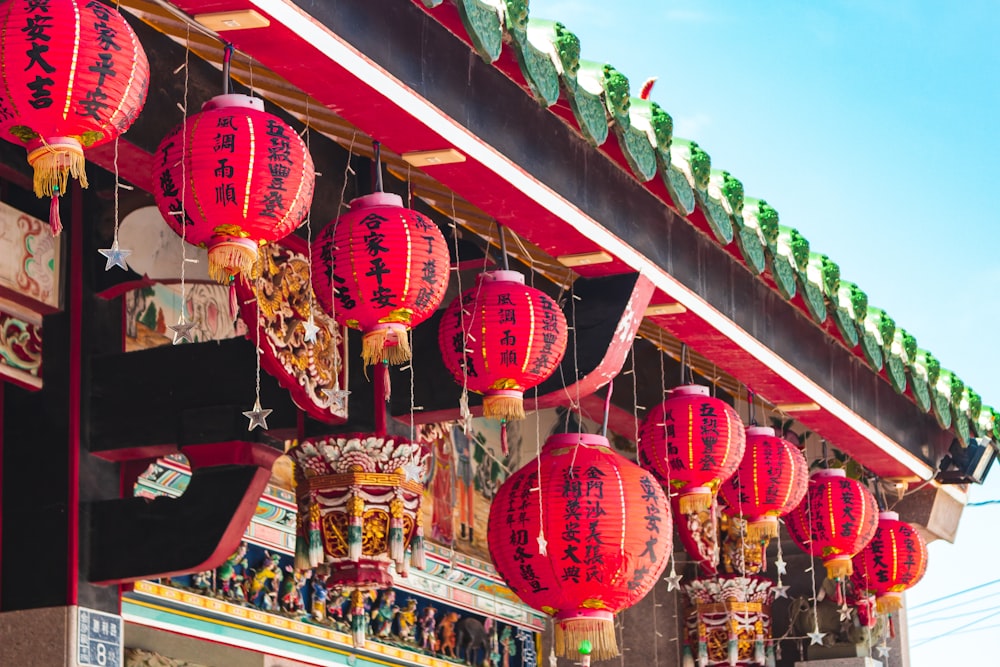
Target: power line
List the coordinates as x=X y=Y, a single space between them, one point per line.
x=931 y=612
x=956 y=630
x=983 y=502
x=938 y=619
x=952 y=595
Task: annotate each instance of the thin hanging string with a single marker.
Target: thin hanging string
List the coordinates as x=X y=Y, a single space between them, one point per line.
x=575 y=403
x=683 y=361
x=309 y=229
x=250 y=67
x=666 y=447
x=409 y=332
x=256 y=345
x=812 y=559
x=377 y=166
x=348 y=170
x=182 y=213
x=465 y=415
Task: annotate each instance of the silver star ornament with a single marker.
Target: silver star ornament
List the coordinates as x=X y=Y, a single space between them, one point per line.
x=883 y=651
x=116 y=256
x=780 y=591
x=815 y=637
x=257 y=416
x=182 y=330
x=673 y=580
x=781 y=565
x=845 y=612
x=311 y=329
x=336 y=399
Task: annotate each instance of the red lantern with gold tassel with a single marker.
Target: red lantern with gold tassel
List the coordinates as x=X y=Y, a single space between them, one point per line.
x=893 y=562
x=500 y=338
x=580 y=533
x=835 y=520
x=74 y=76
x=770 y=482
x=693 y=441
x=382 y=268
x=245 y=177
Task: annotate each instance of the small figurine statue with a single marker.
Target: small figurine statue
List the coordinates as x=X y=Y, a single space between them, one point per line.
x=408 y=621
x=230 y=575
x=428 y=629
x=264 y=586
x=383 y=614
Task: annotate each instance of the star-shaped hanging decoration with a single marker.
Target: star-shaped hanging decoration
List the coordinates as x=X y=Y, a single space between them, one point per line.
x=883 y=651
x=336 y=399
x=257 y=416
x=311 y=329
x=182 y=330
x=673 y=580
x=845 y=612
x=815 y=637
x=553 y=660
x=543 y=545
x=780 y=591
x=116 y=256
x=781 y=565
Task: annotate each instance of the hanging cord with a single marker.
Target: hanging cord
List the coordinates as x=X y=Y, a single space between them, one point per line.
x=672 y=579
x=227 y=63
x=377 y=166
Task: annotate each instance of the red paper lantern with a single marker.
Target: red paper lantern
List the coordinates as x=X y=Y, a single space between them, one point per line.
x=692 y=442
x=835 y=520
x=608 y=533
x=74 y=76
x=893 y=562
x=383 y=269
x=245 y=177
x=501 y=338
x=770 y=482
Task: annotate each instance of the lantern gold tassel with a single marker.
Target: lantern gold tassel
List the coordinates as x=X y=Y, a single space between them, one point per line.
x=889 y=603
x=598 y=631
x=505 y=405
x=695 y=499
x=231 y=257
x=386 y=343
x=762 y=530
x=839 y=567
x=54 y=162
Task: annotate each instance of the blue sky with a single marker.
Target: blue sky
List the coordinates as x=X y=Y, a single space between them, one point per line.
x=871 y=127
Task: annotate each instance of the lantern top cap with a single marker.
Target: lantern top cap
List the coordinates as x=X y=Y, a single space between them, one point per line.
x=888 y=516
x=690 y=390
x=572 y=439
x=826 y=473
x=377 y=199
x=234 y=101
x=762 y=431
x=501 y=277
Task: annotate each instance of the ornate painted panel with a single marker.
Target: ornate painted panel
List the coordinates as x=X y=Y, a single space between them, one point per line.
x=457 y=609
x=29 y=260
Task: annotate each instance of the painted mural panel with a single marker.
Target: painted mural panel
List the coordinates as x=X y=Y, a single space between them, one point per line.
x=148 y=311
x=29 y=257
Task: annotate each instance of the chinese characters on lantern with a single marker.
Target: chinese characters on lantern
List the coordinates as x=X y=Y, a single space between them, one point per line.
x=518 y=522
x=37 y=28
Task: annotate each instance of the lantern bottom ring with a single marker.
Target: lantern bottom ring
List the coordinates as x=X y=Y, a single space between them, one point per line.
x=839 y=566
x=507 y=404
x=54 y=160
x=695 y=499
x=586 y=628
x=229 y=256
x=386 y=342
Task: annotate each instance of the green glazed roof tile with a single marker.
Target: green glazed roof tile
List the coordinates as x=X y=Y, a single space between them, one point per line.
x=602 y=93
x=482 y=23
x=539 y=71
x=813 y=291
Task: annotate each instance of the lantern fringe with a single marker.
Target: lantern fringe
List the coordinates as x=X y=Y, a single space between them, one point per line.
x=600 y=632
x=55 y=220
x=888 y=604
x=397 y=548
x=839 y=567
x=301 y=546
x=418 y=558
x=694 y=502
x=504 y=407
x=762 y=530
x=315 y=536
x=228 y=259
x=54 y=164
x=375 y=347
